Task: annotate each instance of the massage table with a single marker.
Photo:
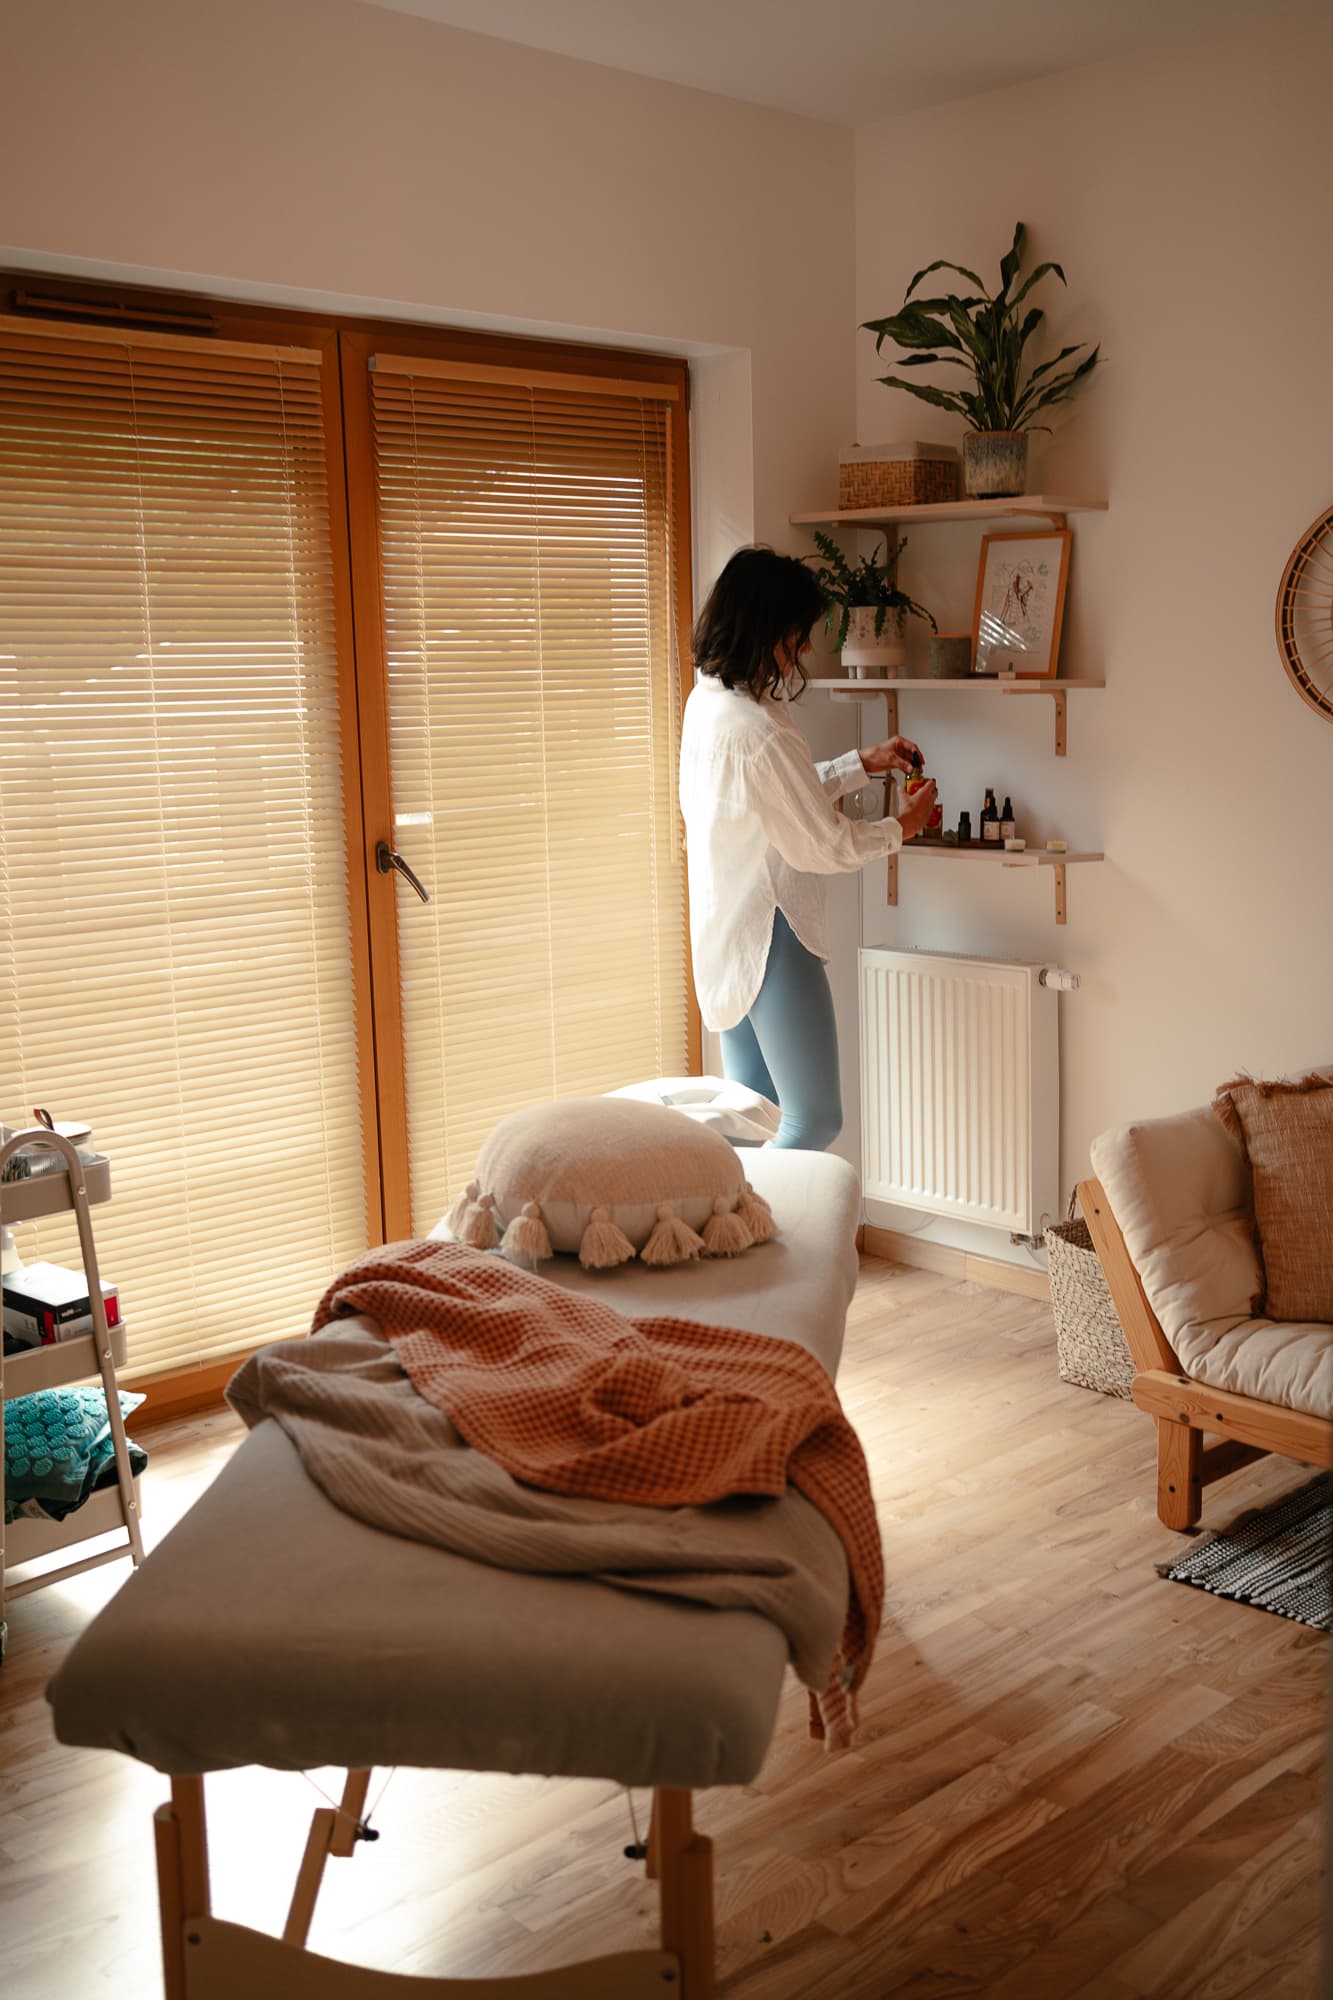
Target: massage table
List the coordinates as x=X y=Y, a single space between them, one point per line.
x=271 y=1628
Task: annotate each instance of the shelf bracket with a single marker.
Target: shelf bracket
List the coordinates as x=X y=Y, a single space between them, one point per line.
x=891 y=729
x=1059 y=873
x=1061 y=700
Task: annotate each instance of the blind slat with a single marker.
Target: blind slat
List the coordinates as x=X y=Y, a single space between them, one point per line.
x=526 y=556
x=175 y=960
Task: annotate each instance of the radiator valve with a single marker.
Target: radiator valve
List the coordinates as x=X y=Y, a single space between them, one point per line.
x=1059 y=980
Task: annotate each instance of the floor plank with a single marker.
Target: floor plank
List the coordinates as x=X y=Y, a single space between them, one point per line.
x=1073 y=1779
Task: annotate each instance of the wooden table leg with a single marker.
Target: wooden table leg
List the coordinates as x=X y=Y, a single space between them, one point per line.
x=650 y=1867
x=332 y=1831
x=685 y=1869
x=181 y=1839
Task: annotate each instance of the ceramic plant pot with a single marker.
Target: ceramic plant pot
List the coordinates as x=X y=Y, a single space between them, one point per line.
x=995 y=464
x=865 y=655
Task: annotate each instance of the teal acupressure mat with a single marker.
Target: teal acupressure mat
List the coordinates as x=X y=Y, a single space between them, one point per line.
x=58 y=1450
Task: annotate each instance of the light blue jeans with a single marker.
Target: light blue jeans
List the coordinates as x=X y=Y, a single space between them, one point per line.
x=786 y=1048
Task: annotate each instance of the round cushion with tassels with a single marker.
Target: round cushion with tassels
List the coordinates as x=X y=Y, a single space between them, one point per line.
x=606 y=1179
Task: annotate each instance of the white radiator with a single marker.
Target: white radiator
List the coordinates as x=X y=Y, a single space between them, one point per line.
x=960 y=1088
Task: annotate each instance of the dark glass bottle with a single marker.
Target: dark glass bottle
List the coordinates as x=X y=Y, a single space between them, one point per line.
x=964 y=827
x=1007 y=828
x=990 y=818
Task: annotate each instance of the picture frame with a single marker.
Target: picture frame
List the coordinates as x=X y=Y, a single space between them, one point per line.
x=1021 y=582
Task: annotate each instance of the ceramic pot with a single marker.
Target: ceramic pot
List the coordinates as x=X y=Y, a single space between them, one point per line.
x=863 y=654
x=995 y=464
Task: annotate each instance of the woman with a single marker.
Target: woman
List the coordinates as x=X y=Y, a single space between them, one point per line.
x=761 y=831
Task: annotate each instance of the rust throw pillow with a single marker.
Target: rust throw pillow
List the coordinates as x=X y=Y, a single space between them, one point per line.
x=1286 y=1129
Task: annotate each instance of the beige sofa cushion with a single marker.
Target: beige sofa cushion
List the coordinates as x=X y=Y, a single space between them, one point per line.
x=1286 y=1132
x=1180 y=1190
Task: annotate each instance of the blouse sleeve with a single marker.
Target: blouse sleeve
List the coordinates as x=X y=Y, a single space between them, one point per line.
x=798 y=817
x=843 y=774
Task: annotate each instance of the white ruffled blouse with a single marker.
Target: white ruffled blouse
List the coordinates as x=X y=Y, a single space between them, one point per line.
x=761 y=832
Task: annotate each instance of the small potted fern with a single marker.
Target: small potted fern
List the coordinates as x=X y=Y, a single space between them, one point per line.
x=863 y=601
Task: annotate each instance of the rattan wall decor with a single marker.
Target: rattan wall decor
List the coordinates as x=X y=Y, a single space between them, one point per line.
x=1305 y=616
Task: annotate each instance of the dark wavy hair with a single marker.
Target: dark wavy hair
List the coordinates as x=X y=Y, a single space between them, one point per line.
x=760 y=599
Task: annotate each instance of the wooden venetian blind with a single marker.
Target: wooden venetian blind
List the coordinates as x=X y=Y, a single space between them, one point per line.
x=525 y=532
x=174 y=946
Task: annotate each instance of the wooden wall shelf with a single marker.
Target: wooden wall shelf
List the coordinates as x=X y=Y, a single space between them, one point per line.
x=1045 y=506
x=1048 y=507
x=839 y=688
x=1036 y=857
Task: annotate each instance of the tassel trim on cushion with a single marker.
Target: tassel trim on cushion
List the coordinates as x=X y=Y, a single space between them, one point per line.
x=757 y=1216
x=725 y=1233
x=479 y=1230
x=457 y=1219
x=603 y=1245
x=672 y=1241
x=526 y=1240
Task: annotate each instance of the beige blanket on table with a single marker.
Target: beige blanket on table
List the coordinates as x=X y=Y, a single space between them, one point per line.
x=383 y=1453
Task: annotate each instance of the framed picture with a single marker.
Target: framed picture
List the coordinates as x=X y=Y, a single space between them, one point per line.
x=1020 y=602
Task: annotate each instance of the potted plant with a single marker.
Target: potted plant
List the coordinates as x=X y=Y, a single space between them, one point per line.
x=985 y=336
x=867 y=605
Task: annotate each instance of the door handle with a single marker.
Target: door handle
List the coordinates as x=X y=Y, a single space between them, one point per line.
x=387 y=859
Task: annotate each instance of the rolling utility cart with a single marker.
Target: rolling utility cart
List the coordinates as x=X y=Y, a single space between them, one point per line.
x=73 y=1183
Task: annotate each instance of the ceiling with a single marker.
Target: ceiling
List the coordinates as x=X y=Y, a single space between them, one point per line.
x=847 y=61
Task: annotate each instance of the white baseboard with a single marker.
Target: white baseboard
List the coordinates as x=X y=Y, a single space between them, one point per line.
x=993 y=1271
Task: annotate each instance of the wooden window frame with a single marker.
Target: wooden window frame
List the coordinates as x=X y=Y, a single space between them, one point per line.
x=345 y=343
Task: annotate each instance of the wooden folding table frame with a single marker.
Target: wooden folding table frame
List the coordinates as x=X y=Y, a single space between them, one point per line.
x=207 y=1959
x=1183 y=1409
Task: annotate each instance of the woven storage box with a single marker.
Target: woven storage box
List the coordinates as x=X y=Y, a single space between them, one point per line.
x=1089 y=1343
x=896 y=475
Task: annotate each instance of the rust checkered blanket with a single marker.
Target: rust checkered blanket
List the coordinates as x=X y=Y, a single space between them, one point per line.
x=570 y=1396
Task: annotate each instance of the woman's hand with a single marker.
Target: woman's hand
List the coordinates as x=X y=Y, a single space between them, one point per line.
x=898 y=754
x=917 y=810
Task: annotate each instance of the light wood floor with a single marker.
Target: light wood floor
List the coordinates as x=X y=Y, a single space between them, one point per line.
x=1076 y=1779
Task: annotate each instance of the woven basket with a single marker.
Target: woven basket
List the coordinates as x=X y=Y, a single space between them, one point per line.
x=1090 y=1345
x=897 y=482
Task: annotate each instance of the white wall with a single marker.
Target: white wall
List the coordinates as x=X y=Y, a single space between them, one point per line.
x=1187 y=195
x=319 y=151
x=323 y=153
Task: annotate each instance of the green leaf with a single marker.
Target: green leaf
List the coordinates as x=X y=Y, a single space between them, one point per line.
x=950 y=299
x=943 y=361
x=943 y=264
x=1031 y=322
x=911 y=329
x=972 y=334
x=1026 y=287
x=1010 y=263
x=1057 y=389
x=1025 y=400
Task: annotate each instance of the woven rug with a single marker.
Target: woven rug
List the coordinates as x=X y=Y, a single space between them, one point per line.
x=1280 y=1560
